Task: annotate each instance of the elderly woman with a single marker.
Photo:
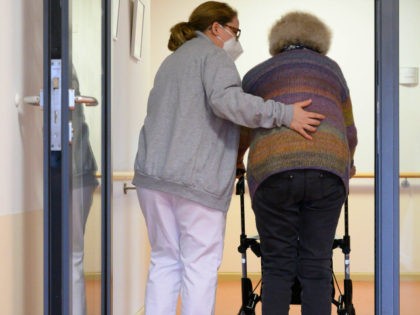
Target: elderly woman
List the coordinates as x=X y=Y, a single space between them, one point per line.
x=297 y=186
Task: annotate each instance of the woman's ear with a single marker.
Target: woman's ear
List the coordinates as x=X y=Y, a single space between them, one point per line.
x=215 y=28
x=213 y=32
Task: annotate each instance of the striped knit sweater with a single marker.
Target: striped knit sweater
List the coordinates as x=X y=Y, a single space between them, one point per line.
x=289 y=77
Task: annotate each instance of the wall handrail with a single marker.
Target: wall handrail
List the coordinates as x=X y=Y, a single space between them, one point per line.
x=128 y=176
x=402 y=175
x=121 y=176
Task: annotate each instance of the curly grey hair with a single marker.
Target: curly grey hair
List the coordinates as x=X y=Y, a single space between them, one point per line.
x=299 y=28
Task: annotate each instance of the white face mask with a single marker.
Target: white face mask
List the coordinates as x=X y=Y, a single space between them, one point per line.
x=232 y=46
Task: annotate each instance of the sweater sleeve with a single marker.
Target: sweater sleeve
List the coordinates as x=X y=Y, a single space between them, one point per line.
x=244 y=142
x=350 y=127
x=228 y=100
x=347 y=108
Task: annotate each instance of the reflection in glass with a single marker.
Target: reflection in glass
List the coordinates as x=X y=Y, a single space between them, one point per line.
x=84 y=184
x=86 y=151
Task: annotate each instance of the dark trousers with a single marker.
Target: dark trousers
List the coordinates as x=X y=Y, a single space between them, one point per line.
x=296 y=215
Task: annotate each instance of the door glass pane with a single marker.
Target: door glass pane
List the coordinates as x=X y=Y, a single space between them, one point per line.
x=86 y=147
x=409 y=157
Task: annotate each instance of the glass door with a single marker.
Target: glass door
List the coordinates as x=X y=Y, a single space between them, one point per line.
x=76 y=157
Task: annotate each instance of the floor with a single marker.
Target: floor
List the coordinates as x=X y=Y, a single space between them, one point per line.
x=228 y=299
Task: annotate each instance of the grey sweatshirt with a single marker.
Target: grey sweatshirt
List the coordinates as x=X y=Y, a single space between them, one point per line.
x=188 y=143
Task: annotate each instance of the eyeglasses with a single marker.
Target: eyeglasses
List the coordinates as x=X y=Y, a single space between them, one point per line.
x=236 y=31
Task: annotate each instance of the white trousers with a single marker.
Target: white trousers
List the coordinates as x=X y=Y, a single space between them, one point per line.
x=186 y=239
x=82 y=201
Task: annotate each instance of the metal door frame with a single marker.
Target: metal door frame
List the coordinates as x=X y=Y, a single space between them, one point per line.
x=106 y=197
x=57 y=177
x=57 y=164
x=387 y=224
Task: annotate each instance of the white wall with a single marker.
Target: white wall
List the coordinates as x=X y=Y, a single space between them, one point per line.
x=130 y=87
x=352 y=46
x=21 y=160
x=86 y=58
x=409 y=135
x=21 y=74
x=409 y=95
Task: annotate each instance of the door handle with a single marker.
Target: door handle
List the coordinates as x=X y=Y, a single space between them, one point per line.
x=38 y=100
x=87 y=100
x=35 y=100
